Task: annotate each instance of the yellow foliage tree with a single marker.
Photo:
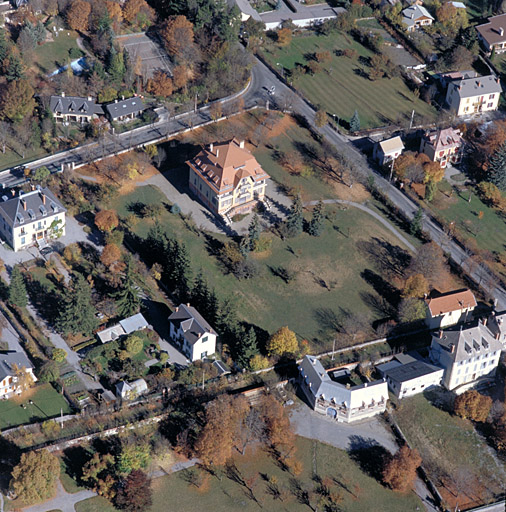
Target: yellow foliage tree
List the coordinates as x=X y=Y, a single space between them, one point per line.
x=415 y=287
x=78 y=14
x=282 y=342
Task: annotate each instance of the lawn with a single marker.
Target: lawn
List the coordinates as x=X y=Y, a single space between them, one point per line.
x=47 y=403
x=343 y=86
x=50 y=56
x=310 y=308
x=457 y=458
x=487 y=233
x=358 y=490
x=12 y=159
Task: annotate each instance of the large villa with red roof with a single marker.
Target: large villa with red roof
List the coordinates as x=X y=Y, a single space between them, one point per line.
x=227 y=178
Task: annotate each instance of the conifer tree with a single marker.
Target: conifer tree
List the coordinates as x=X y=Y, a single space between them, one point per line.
x=295 y=220
x=156 y=244
x=497 y=168
x=316 y=224
x=416 y=224
x=178 y=269
x=247 y=347
x=77 y=313
x=200 y=292
x=127 y=298
x=254 y=231
x=17 y=289
x=355 y=122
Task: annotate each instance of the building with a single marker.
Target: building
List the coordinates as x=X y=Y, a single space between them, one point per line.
x=492 y=35
x=474 y=95
x=227 y=178
x=342 y=402
x=407 y=376
x=123 y=328
x=497 y=326
x=124 y=110
x=11 y=364
x=31 y=218
x=450 y=309
x=416 y=16
x=468 y=356
x=452 y=76
x=388 y=150
x=443 y=146
x=191 y=333
x=131 y=390
x=74 y=109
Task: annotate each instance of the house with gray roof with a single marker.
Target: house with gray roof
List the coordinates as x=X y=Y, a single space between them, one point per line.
x=131 y=390
x=123 y=328
x=74 y=109
x=474 y=95
x=191 y=333
x=31 y=218
x=342 y=402
x=415 y=17
x=492 y=35
x=11 y=364
x=468 y=356
x=123 y=110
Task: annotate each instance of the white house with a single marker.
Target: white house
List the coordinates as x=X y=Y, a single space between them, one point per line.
x=474 y=95
x=468 y=356
x=124 y=327
x=407 y=376
x=11 y=363
x=416 y=16
x=450 y=309
x=131 y=390
x=497 y=326
x=344 y=403
x=191 y=333
x=31 y=218
x=387 y=150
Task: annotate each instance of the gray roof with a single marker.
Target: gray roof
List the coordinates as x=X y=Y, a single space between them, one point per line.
x=245 y=7
x=469 y=87
x=410 y=371
x=304 y=12
x=74 y=105
x=29 y=207
x=8 y=359
x=414 y=13
x=191 y=321
x=497 y=325
x=467 y=343
x=124 y=107
x=134 y=323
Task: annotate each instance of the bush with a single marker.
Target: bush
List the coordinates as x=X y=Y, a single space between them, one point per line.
x=59 y=355
x=175 y=209
x=133 y=344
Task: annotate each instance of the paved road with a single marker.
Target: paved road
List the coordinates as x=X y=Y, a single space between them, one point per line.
x=62 y=501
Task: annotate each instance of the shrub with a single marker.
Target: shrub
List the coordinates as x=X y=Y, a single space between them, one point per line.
x=133 y=344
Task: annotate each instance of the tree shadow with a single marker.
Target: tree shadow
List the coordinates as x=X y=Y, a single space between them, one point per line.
x=384 y=289
x=137 y=208
x=74 y=459
x=328 y=319
x=392 y=259
x=369 y=455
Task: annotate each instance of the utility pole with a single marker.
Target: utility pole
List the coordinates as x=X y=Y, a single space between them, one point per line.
x=412 y=116
x=333 y=348
x=203 y=377
x=195 y=103
x=392 y=168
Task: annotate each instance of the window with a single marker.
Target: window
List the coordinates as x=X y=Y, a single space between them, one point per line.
x=23 y=241
x=490 y=105
x=204 y=354
x=491 y=97
x=204 y=339
x=483 y=365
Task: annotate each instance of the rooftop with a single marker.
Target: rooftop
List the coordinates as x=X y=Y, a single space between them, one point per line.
x=413 y=13
x=444 y=139
x=493 y=31
x=451 y=301
x=9 y=359
x=390 y=145
x=192 y=322
x=469 y=87
x=410 y=371
x=124 y=107
x=74 y=105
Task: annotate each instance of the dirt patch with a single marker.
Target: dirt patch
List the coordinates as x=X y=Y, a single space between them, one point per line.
x=281 y=126
x=358 y=193
x=443 y=201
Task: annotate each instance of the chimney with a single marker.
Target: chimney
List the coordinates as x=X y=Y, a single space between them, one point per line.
x=217 y=152
x=43 y=197
x=123 y=97
x=23 y=202
x=188 y=304
x=177 y=309
x=452 y=348
x=90 y=98
x=365 y=385
x=497 y=336
x=478 y=83
x=485 y=322
x=211 y=147
x=32 y=186
x=440 y=333
x=501 y=31
x=63 y=95
x=13 y=192
x=115 y=101
x=498 y=80
x=241 y=144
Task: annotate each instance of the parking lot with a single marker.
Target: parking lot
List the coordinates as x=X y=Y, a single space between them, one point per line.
x=152 y=55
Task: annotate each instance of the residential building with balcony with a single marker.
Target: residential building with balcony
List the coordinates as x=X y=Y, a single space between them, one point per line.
x=227 y=178
x=443 y=146
x=450 y=308
x=474 y=95
x=31 y=218
x=492 y=35
x=11 y=364
x=342 y=402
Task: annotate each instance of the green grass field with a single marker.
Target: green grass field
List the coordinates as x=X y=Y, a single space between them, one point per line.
x=50 y=56
x=342 y=86
x=308 y=307
x=452 y=452
x=358 y=491
x=47 y=404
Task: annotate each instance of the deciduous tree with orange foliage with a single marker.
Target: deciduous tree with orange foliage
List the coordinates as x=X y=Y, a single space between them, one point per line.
x=177 y=33
x=131 y=8
x=161 y=84
x=114 y=10
x=111 y=254
x=472 y=405
x=415 y=287
x=399 y=472
x=78 y=14
x=106 y=220
x=16 y=100
x=182 y=74
x=279 y=431
x=433 y=172
x=284 y=36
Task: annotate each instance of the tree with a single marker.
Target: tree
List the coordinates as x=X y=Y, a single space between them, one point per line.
x=416 y=286
x=135 y=494
x=50 y=372
x=58 y=355
x=133 y=456
x=472 y=405
x=127 y=298
x=106 y=220
x=295 y=220
x=78 y=14
x=24 y=378
x=182 y=74
x=161 y=84
x=254 y=231
x=316 y=223
x=411 y=310
x=177 y=33
x=133 y=344
x=15 y=70
x=111 y=254
x=282 y=342
x=41 y=175
x=433 y=172
x=490 y=193
x=278 y=426
x=77 y=314
x=284 y=36
x=399 y=472
x=131 y=9
x=97 y=473
x=497 y=168
x=355 y=122
x=34 y=478
x=415 y=228
x=247 y=348
x=16 y=101
x=17 y=288
x=321 y=119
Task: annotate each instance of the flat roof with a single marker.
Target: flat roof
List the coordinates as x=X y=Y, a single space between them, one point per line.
x=410 y=371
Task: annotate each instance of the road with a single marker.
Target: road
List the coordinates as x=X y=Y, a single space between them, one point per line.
x=263 y=79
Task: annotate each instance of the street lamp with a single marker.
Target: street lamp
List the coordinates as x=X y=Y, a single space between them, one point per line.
x=282 y=69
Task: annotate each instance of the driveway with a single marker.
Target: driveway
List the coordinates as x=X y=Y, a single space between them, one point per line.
x=62 y=501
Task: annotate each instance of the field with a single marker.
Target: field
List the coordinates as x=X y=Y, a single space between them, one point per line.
x=343 y=85
x=358 y=491
x=458 y=460
x=50 y=56
x=47 y=403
